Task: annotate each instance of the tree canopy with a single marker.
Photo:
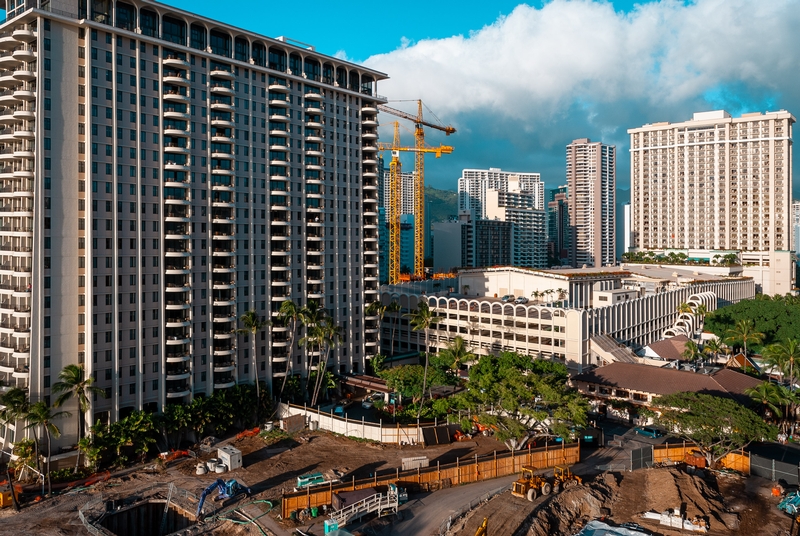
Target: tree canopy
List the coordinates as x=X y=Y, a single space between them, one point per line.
x=717 y=425
x=778 y=318
x=521 y=398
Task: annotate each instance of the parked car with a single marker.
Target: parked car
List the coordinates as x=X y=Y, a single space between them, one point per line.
x=507 y=298
x=521 y=299
x=369 y=401
x=650 y=431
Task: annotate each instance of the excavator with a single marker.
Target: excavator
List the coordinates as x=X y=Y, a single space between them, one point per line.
x=483 y=528
x=227 y=490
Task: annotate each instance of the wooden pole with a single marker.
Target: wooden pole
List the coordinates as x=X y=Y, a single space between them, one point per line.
x=495 y=464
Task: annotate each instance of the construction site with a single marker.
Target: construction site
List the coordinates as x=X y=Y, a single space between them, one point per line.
x=256 y=498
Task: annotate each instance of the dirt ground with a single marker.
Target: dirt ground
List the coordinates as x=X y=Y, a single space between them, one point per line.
x=731 y=504
x=268 y=471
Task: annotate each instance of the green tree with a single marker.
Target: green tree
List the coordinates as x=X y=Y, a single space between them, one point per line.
x=717 y=425
x=713 y=347
x=522 y=398
x=455 y=354
x=684 y=307
x=744 y=331
x=377 y=363
x=691 y=352
x=768 y=396
x=376 y=308
x=422 y=319
x=72 y=382
x=406 y=380
x=251 y=325
x=40 y=415
x=289 y=315
x=783 y=356
x=330 y=336
x=394 y=308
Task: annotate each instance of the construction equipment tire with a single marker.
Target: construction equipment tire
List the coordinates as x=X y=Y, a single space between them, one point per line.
x=556 y=487
x=546 y=488
x=532 y=494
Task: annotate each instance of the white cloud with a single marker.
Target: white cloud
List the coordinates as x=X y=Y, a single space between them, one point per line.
x=544 y=66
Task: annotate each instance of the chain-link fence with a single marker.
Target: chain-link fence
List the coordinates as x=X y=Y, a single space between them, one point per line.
x=464 y=510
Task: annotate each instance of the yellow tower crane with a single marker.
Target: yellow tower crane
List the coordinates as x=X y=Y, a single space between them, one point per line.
x=393 y=212
x=419 y=196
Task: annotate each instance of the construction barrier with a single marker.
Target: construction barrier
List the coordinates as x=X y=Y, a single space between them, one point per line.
x=677 y=452
x=432 y=478
x=398 y=434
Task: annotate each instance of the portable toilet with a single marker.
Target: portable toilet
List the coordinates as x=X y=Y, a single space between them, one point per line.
x=331 y=525
x=230 y=457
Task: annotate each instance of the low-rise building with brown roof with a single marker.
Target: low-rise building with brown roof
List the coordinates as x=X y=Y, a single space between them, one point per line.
x=640 y=384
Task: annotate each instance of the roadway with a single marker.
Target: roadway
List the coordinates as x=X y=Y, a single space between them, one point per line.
x=425 y=512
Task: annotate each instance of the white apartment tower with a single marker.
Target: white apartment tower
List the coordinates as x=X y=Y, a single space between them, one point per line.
x=796 y=227
x=161 y=174
x=591 y=182
x=408 y=189
x=529 y=224
x=474 y=183
x=718 y=184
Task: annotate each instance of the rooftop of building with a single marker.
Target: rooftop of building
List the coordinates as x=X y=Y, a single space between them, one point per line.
x=166 y=9
x=714 y=116
x=667 y=381
x=670 y=348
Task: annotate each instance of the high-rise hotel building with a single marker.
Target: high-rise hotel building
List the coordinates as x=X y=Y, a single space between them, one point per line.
x=591 y=183
x=163 y=173
x=717 y=185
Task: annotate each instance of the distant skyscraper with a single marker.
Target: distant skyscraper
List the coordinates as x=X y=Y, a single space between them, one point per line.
x=627 y=237
x=796 y=226
x=519 y=207
x=469 y=243
x=591 y=182
x=407 y=224
x=558 y=230
x=474 y=183
x=718 y=184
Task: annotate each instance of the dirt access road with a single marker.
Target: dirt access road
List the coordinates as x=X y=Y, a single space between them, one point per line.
x=268 y=469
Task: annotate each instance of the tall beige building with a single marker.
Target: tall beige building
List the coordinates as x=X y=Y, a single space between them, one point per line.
x=160 y=175
x=717 y=185
x=591 y=183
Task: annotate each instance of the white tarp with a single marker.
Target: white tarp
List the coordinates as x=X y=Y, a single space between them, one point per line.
x=598 y=528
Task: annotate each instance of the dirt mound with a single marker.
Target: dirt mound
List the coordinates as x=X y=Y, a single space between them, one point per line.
x=572 y=508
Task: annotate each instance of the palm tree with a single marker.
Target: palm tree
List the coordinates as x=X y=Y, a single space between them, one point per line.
x=562 y=294
x=456 y=353
x=422 y=319
x=744 y=331
x=71 y=382
x=289 y=313
x=40 y=415
x=685 y=308
x=536 y=295
x=252 y=324
x=713 y=347
x=768 y=396
x=378 y=309
x=311 y=316
x=15 y=406
x=394 y=308
x=331 y=337
x=783 y=356
x=549 y=292
x=691 y=352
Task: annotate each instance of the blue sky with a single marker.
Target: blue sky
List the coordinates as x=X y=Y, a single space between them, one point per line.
x=522 y=81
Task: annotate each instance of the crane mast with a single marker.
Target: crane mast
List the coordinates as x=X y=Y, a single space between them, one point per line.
x=393 y=216
x=419 y=186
